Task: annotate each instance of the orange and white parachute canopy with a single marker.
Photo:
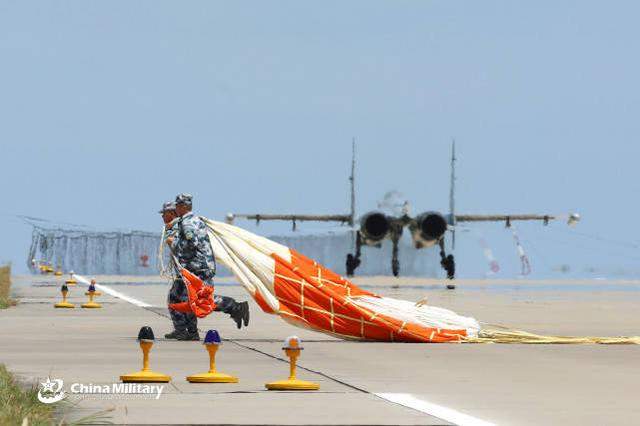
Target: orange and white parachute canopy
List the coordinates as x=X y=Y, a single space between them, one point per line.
x=306 y=294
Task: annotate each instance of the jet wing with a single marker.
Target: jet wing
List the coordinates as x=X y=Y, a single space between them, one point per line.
x=258 y=217
x=571 y=218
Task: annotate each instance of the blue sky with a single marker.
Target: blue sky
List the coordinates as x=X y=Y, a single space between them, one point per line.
x=109 y=108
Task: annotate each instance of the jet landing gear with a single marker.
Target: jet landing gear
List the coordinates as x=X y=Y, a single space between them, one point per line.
x=448 y=263
x=353 y=261
x=395 y=262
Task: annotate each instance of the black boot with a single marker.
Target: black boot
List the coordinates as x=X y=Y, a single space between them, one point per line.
x=187 y=335
x=240 y=314
x=245 y=317
x=173 y=335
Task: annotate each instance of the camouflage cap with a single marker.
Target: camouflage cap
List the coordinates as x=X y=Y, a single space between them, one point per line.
x=168 y=207
x=184 y=199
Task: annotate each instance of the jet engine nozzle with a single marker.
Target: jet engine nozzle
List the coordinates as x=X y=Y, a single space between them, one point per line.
x=374 y=227
x=427 y=229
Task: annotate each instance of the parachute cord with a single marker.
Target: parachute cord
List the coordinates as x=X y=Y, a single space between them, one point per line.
x=161 y=253
x=494 y=267
x=524 y=259
x=164 y=269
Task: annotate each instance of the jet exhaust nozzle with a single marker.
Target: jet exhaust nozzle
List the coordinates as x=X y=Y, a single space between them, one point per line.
x=427 y=229
x=374 y=227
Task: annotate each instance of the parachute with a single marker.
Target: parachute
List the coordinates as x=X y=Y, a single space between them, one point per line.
x=304 y=293
x=308 y=295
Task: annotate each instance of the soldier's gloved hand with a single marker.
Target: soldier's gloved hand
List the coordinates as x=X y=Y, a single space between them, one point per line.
x=169 y=241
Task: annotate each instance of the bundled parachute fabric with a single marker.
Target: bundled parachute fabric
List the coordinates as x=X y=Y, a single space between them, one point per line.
x=308 y=295
x=200 y=297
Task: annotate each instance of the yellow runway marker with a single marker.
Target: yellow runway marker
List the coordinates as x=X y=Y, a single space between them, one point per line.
x=212 y=342
x=91 y=293
x=146 y=338
x=64 y=303
x=71 y=280
x=292 y=349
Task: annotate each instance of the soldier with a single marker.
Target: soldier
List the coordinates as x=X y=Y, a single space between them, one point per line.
x=189 y=241
x=168 y=213
x=182 y=322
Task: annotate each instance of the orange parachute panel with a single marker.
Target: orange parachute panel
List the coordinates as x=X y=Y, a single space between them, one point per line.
x=310 y=293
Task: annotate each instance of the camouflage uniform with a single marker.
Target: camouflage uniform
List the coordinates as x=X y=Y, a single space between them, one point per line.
x=178 y=292
x=192 y=248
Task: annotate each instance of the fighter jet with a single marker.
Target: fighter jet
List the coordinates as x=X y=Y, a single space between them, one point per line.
x=427 y=229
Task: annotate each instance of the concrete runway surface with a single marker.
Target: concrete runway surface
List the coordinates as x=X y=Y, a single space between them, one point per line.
x=361 y=383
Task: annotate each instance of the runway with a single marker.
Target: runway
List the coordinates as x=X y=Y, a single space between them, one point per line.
x=361 y=383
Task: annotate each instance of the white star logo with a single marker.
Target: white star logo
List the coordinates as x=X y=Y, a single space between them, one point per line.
x=51 y=391
x=48 y=386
